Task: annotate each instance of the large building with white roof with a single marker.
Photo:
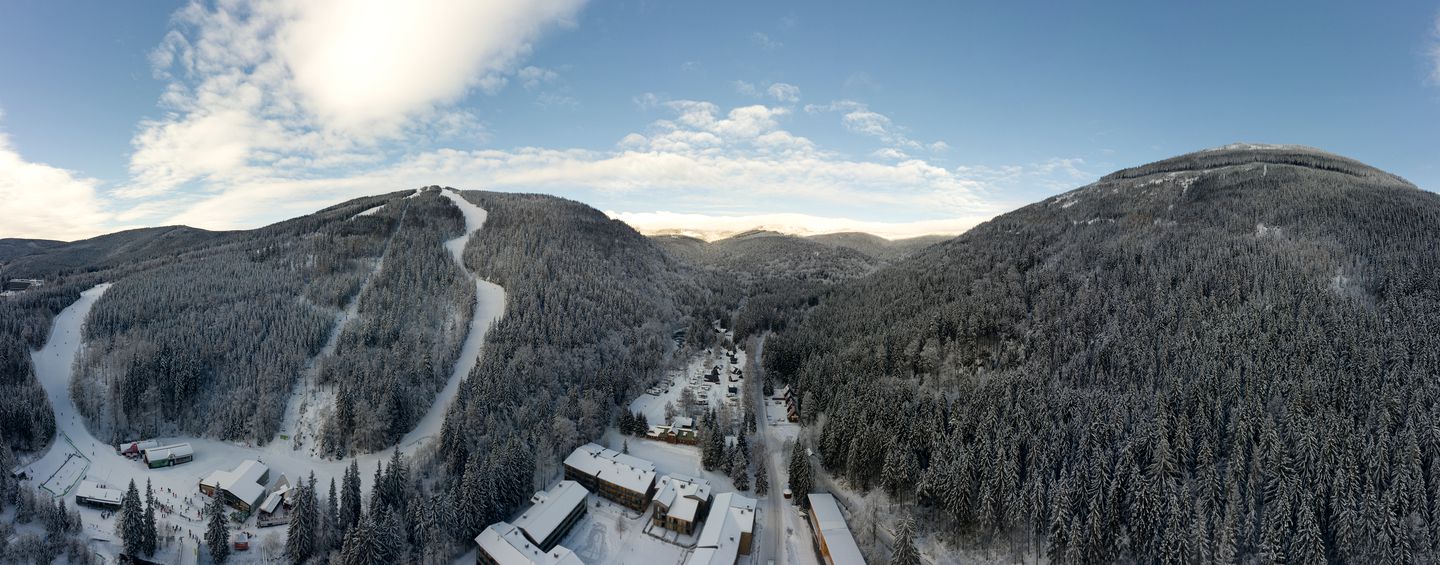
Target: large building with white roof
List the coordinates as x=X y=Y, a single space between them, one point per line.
x=729 y=529
x=552 y=513
x=617 y=476
x=242 y=488
x=504 y=544
x=832 y=535
x=680 y=501
x=91 y=493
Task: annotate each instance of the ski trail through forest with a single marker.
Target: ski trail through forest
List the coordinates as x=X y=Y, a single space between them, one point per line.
x=54 y=368
x=303 y=410
x=489 y=306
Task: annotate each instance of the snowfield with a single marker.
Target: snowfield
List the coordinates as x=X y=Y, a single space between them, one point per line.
x=179 y=500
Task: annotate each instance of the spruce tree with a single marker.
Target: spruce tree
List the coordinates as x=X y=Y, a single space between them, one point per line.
x=300 y=539
x=148 y=538
x=762 y=479
x=799 y=476
x=905 y=552
x=217 y=531
x=130 y=522
x=350 y=498
x=740 y=471
x=333 y=532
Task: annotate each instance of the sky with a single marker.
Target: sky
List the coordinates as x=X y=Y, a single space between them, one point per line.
x=897 y=118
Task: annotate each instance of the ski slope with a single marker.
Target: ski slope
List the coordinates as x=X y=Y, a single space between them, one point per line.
x=176 y=487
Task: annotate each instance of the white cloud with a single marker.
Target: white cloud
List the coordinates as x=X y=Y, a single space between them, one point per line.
x=711 y=227
x=45 y=202
x=746 y=89
x=765 y=41
x=700 y=154
x=1435 y=52
x=259 y=84
x=784 y=92
x=859 y=118
x=533 y=77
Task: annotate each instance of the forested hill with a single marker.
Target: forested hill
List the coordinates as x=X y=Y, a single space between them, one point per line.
x=767 y=276
x=591 y=306
x=1227 y=356
x=11 y=247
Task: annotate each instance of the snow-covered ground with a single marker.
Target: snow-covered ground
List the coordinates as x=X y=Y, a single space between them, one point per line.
x=176 y=487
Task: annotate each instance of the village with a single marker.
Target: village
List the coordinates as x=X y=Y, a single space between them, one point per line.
x=641 y=491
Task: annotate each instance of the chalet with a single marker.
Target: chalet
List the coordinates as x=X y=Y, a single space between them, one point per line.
x=168 y=455
x=679 y=502
x=132 y=449
x=242 y=488
x=504 y=544
x=619 y=477
x=95 y=495
x=832 y=536
x=672 y=434
x=552 y=513
x=272 y=510
x=729 y=529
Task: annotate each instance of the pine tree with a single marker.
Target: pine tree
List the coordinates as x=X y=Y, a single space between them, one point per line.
x=148 y=538
x=334 y=534
x=799 y=476
x=350 y=498
x=130 y=521
x=740 y=471
x=217 y=533
x=762 y=478
x=905 y=552
x=300 y=541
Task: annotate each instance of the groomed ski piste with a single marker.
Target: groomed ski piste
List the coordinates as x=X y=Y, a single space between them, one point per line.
x=76 y=454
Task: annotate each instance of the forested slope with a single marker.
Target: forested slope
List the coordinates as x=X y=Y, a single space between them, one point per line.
x=591 y=305
x=209 y=341
x=1227 y=356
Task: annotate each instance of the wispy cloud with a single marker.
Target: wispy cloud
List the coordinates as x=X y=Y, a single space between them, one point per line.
x=859 y=118
x=256 y=85
x=45 y=202
x=711 y=227
x=765 y=42
x=1435 y=51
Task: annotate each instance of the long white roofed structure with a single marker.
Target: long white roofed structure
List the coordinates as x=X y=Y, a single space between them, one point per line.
x=504 y=544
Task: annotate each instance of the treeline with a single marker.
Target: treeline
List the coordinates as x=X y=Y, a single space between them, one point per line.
x=591 y=306
x=1230 y=366
x=209 y=341
x=398 y=351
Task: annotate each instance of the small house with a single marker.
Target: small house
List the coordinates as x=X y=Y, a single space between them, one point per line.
x=168 y=455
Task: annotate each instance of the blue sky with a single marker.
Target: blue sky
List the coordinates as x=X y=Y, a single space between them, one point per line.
x=897 y=118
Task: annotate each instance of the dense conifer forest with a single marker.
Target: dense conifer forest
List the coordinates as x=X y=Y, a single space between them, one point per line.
x=1230 y=356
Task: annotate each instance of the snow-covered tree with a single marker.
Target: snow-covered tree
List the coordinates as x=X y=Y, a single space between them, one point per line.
x=301 y=538
x=130 y=521
x=217 y=530
x=800 y=481
x=905 y=552
x=762 y=478
x=148 y=534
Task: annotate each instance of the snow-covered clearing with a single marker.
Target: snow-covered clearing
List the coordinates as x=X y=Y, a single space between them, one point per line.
x=371 y=211
x=176 y=487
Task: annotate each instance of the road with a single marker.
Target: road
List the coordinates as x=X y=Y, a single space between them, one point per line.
x=785 y=538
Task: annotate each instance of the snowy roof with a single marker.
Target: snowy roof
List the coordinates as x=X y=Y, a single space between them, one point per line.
x=504 y=543
x=93 y=491
x=632 y=473
x=681 y=495
x=684 y=422
x=169 y=452
x=550 y=508
x=730 y=516
x=272 y=502
x=838 y=539
x=243 y=482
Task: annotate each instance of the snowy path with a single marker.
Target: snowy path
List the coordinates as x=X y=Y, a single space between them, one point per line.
x=489 y=306
x=303 y=410
x=176 y=486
